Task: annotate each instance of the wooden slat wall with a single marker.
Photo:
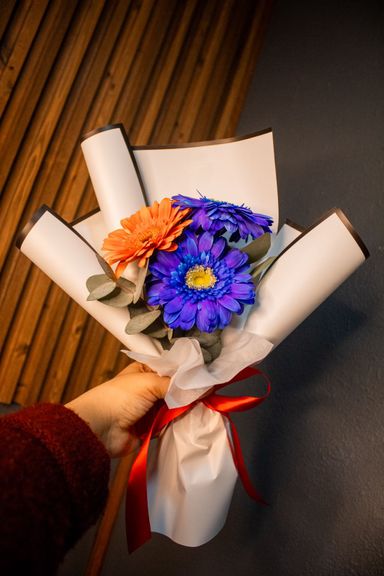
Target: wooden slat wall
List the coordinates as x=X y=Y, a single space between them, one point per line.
x=171 y=71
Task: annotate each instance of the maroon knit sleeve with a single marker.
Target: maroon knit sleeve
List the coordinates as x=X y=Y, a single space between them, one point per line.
x=53 y=485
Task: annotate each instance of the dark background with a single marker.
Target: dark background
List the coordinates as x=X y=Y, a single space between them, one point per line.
x=315 y=448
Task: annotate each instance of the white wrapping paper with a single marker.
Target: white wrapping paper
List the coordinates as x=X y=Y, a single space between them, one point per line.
x=238 y=170
x=192 y=474
x=304 y=275
x=193 y=469
x=114 y=177
x=68 y=260
x=191 y=478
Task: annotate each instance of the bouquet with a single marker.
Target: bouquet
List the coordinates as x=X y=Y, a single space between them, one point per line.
x=198 y=287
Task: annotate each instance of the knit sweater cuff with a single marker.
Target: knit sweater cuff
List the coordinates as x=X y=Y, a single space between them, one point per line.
x=80 y=455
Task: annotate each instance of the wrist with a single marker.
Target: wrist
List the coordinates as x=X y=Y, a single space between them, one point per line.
x=83 y=407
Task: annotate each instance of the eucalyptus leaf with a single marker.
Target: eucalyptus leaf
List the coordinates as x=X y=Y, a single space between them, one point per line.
x=206 y=355
x=139 y=323
x=106 y=267
x=258 y=248
x=118 y=299
x=157 y=329
x=204 y=338
x=259 y=270
x=140 y=282
x=159 y=333
x=138 y=308
x=126 y=285
x=215 y=350
x=167 y=344
x=102 y=290
x=96 y=281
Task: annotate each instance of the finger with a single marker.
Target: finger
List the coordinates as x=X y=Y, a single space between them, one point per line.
x=133 y=367
x=160 y=386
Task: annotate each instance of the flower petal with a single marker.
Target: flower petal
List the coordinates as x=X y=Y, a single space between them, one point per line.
x=218 y=247
x=207 y=316
x=224 y=316
x=186 y=325
x=205 y=242
x=159 y=269
x=181 y=200
x=175 y=305
x=188 y=312
x=171 y=319
x=243 y=291
x=240 y=278
x=169 y=259
x=191 y=245
x=201 y=218
x=235 y=258
x=120 y=268
x=230 y=303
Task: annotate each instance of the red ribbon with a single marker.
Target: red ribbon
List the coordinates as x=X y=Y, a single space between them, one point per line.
x=138 y=527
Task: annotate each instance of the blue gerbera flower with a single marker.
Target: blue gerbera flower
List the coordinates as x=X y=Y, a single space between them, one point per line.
x=201 y=284
x=215 y=216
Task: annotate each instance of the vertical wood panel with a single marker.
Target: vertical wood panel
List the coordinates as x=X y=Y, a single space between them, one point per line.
x=170 y=71
x=16 y=45
x=6 y=9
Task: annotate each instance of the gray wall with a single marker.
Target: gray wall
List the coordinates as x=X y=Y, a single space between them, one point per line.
x=315 y=448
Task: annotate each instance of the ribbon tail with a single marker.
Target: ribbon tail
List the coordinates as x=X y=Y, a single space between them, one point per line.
x=137 y=524
x=138 y=529
x=238 y=459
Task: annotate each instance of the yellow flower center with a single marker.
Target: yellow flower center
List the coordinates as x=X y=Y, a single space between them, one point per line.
x=200 y=278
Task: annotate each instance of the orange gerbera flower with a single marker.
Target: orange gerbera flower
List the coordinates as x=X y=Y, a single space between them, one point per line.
x=149 y=229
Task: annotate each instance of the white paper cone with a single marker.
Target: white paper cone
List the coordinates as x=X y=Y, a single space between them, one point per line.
x=238 y=170
x=114 y=176
x=286 y=235
x=304 y=275
x=93 y=229
x=279 y=242
x=191 y=479
x=69 y=261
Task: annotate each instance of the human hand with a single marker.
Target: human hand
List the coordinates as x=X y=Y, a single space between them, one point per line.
x=112 y=409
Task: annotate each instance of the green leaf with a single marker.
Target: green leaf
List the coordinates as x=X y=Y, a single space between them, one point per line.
x=159 y=330
x=259 y=270
x=206 y=355
x=167 y=344
x=258 y=248
x=138 y=308
x=158 y=333
x=140 y=282
x=118 y=299
x=106 y=267
x=96 y=281
x=139 y=323
x=204 y=338
x=102 y=290
x=126 y=285
x=215 y=350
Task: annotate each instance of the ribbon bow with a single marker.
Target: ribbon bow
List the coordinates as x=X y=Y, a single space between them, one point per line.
x=138 y=527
